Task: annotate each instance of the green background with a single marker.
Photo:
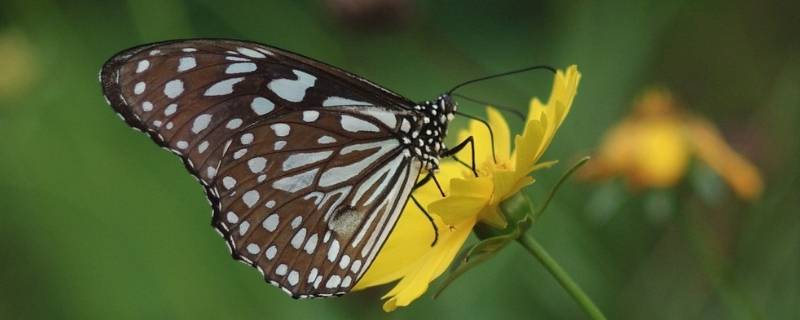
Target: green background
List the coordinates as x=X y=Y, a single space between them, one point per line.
x=98 y=223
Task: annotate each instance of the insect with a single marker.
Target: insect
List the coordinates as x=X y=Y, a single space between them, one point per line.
x=307 y=167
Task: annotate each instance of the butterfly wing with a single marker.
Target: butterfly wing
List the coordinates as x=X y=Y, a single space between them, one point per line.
x=312 y=219
x=303 y=162
x=181 y=93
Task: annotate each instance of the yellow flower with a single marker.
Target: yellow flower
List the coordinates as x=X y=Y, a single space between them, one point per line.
x=408 y=254
x=653 y=148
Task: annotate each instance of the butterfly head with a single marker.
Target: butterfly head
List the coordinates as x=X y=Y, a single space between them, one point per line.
x=428 y=140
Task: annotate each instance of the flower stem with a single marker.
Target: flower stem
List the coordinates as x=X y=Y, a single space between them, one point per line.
x=536 y=249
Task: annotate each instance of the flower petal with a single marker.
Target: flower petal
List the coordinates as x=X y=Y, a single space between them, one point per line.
x=429 y=267
x=502 y=139
x=743 y=177
x=544 y=120
x=481 y=139
x=466 y=199
x=410 y=240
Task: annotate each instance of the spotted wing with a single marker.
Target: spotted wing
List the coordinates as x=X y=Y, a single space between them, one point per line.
x=309 y=198
x=190 y=96
x=306 y=175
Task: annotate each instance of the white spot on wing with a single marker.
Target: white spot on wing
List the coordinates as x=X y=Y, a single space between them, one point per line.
x=251 y=53
x=243 y=227
x=232 y=217
x=281 y=269
x=262 y=106
x=296 y=222
x=142 y=66
x=405 y=126
x=296 y=182
x=281 y=129
x=333 y=282
x=139 y=87
x=169 y=110
x=271 y=222
x=173 y=88
x=250 y=198
x=233 y=123
x=344 y=262
x=310 y=115
x=293 y=278
x=240 y=153
x=293 y=90
x=355 y=266
x=298 y=238
x=265 y=51
x=253 y=248
x=202 y=147
x=232 y=58
x=257 y=164
x=311 y=244
x=385 y=116
x=228 y=182
x=354 y=124
x=339 y=101
x=326 y=140
x=333 y=251
x=242 y=67
x=223 y=87
x=302 y=159
x=247 y=138
x=186 y=63
x=271 y=252
x=346 y=282
x=201 y=123
x=312 y=275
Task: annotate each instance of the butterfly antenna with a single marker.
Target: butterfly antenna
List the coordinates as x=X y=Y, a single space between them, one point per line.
x=504 y=108
x=507 y=73
x=491 y=133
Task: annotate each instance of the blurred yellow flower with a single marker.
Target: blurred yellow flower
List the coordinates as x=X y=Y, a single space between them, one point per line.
x=17 y=66
x=653 y=147
x=408 y=254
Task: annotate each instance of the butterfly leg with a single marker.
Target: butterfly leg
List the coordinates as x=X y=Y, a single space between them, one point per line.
x=424 y=181
x=428 y=177
x=427 y=215
x=452 y=153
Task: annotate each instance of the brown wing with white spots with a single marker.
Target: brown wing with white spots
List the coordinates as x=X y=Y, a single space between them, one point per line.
x=309 y=198
x=191 y=96
x=307 y=176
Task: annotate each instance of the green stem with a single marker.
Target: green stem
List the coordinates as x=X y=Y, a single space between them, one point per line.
x=561 y=276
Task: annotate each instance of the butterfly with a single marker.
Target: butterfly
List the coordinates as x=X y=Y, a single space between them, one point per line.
x=307 y=167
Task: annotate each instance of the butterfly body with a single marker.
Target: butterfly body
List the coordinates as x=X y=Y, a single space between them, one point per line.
x=307 y=167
